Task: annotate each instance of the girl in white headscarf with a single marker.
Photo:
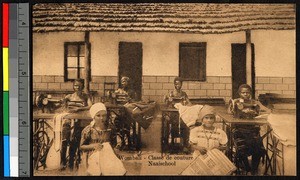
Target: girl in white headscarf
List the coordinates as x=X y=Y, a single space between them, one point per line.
x=207 y=136
x=99 y=158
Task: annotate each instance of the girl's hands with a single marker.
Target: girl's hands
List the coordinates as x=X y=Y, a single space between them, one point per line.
x=202 y=151
x=98 y=146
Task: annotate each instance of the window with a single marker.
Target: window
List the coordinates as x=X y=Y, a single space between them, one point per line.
x=74 y=60
x=192 y=61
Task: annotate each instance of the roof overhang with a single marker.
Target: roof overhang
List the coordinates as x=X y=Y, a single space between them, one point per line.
x=202 y=18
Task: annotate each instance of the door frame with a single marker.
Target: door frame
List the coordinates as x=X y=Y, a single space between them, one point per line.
x=133 y=86
x=234 y=91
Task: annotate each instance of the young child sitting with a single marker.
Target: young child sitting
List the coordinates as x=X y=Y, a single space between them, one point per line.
x=206 y=136
x=177 y=95
x=99 y=156
x=78 y=101
x=178 y=127
x=125 y=94
x=247 y=137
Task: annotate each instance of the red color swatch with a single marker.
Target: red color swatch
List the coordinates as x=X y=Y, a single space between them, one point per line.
x=5 y=8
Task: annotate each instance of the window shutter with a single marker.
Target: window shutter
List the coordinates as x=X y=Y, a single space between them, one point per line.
x=192 y=61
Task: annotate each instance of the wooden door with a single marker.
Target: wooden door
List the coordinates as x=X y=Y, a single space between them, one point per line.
x=130 y=64
x=192 y=61
x=238 y=68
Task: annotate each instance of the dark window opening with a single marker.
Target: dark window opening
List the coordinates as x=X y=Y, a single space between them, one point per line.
x=192 y=61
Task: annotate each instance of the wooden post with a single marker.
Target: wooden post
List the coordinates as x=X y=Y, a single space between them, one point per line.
x=248 y=58
x=87 y=62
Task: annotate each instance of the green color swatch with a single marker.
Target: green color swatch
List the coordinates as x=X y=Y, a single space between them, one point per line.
x=5 y=113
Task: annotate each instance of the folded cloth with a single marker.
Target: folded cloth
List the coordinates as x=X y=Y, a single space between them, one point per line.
x=58 y=122
x=189 y=114
x=284 y=127
x=141 y=113
x=105 y=162
x=53 y=155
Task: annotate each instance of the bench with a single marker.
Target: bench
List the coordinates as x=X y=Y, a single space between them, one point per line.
x=278 y=101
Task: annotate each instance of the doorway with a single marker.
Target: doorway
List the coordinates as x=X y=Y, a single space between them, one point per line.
x=130 y=64
x=238 y=68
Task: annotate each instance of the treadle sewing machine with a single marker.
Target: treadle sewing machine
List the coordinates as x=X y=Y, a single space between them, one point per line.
x=241 y=113
x=172 y=138
x=43 y=127
x=125 y=121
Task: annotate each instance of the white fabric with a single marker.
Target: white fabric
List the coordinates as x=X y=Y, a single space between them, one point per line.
x=58 y=122
x=96 y=108
x=189 y=114
x=94 y=167
x=53 y=156
x=206 y=110
x=284 y=127
x=105 y=162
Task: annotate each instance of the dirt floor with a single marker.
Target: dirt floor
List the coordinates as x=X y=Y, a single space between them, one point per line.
x=151 y=147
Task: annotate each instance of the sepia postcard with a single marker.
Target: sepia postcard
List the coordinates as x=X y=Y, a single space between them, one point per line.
x=168 y=89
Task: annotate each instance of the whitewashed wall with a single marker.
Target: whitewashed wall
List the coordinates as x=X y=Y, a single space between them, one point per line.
x=48 y=52
x=274 y=52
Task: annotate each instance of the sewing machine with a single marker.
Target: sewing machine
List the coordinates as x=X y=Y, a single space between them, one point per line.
x=242 y=109
x=175 y=100
x=46 y=103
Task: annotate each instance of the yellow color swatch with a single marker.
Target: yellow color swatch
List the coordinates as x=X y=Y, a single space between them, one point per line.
x=5 y=69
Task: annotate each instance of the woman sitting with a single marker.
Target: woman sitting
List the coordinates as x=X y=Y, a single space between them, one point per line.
x=99 y=156
x=75 y=102
x=206 y=136
x=178 y=127
x=206 y=140
x=247 y=136
x=125 y=94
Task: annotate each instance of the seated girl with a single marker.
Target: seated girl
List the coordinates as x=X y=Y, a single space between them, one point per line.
x=178 y=127
x=207 y=140
x=99 y=156
x=177 y=95
x=247 y=136
x=125 y=94
x=78 y=101
x=206 y=136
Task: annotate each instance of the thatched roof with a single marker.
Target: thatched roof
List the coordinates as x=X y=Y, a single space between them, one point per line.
x=162 y=17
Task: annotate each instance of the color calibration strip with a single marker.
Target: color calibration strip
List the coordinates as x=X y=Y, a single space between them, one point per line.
x=13 y=90
x=16 y=90
x=23 y=94
x=5 y=45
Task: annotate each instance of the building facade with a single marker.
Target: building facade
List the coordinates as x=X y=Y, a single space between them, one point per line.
x=204 y=43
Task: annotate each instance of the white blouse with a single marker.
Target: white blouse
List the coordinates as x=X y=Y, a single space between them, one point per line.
x=209 y=139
